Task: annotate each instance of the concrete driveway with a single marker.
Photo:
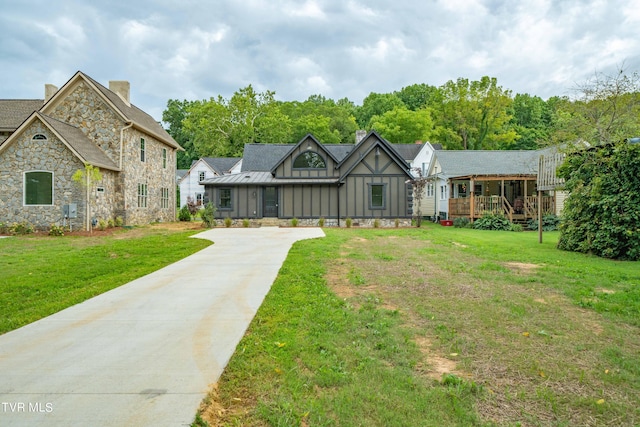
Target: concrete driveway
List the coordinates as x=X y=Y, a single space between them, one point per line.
x=145 y=353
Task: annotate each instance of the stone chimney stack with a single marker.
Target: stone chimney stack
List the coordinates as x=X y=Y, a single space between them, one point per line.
x=360 y=134
x=418 y=142
x=49 y=91
x=121 y=88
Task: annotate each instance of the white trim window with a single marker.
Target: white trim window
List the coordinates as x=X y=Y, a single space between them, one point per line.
x=164 y=158
x=142 y=150
x=143 y=193
x=430 y=189
x=164 y=198
x=443 y=192
x=201 y=176
x=38 y=188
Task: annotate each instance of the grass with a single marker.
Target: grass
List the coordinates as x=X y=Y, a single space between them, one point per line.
x=40 y=275
x=446 y=326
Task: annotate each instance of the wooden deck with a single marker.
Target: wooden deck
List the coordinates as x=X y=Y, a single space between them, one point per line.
x=522 y=209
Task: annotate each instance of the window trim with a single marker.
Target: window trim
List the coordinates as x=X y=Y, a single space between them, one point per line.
x=143 y=195
x=164 y=198
x=225 y=208
x=324 y=161
x=201 y=176
x=142 y=150
x=39 y=137
x=164 y=158
x=24 y=188
x=371 y=185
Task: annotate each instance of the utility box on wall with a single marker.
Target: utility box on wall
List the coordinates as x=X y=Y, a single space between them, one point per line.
x=70 y=210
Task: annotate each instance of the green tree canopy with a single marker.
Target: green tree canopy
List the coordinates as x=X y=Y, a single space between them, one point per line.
x=403 y=126
x=376 y=104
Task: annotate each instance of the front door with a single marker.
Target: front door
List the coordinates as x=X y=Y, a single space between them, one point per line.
x=270 y=202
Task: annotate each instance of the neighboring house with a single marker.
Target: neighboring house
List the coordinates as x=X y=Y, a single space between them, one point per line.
x=469 y=183
x=85 y=123
x=309 y=180
x=201 y=169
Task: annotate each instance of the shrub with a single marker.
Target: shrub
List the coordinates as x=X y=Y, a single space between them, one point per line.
x=396 y=222
x=21 y=228
x=228 y=222
x=492 y=222
x=102 y=224
x=118 y=221
x=192 y=205
x=321 y=221
x=111 y=223
x=294 y=222
x=184 y=214
x=4 y=228
x=516 y=227
x=376 y=223
x=208 y=215
x=348 y=222
x=56 y=230
x=550 y=222
x=462 y=222
x=246 y=223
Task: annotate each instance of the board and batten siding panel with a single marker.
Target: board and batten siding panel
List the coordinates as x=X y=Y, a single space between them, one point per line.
x=355 y=197
x=309 y=201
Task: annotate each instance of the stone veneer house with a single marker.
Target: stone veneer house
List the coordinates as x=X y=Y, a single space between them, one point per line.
x=84 y=123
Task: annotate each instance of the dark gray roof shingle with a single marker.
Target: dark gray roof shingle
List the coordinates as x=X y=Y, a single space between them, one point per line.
x=221 y=165
x=407 y=151
x=263 y=157
x=15 y=111
x=497 y=162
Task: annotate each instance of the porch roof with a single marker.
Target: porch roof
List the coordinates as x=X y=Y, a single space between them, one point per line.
x=488 y=163
x=261 y=178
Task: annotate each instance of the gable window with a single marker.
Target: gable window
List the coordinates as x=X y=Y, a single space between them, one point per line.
x=224 y=199
x=309 y=160
x=164 y=158
x=201 y=176
x=164 y=198
x=142 y=149
x=377 y=197
x=39 y=137
x=38 y=188
x=143 y=191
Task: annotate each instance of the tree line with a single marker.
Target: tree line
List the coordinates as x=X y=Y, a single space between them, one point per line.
x=461 y=114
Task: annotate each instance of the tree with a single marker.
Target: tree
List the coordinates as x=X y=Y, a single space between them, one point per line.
x=531 y=120
x=601 y=214
x=376 y=104
x=88 y=178
x=403 y=126
x=174 y=117
x=605 y=109
x=473 y=115
x=418 y=96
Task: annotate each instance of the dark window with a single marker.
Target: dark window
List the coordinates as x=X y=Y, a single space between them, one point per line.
x=164 y=158
x=142 y=149
x=201 y=176
x=309 y=160
x=38 y=188
x=39 y=136
x=377 y=197
x=224 y=200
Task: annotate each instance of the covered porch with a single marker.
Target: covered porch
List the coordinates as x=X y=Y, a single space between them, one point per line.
x=515 y=197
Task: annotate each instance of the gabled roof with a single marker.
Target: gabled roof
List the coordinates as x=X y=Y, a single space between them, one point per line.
x=83 y=148
x=263 y=157
x=302 y=141
x=14 y=111
x=457 y=163
x=408 y=151
x=129 y=113
x=221 y=165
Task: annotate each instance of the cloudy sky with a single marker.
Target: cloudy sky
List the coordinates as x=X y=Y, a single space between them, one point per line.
x=187 y=49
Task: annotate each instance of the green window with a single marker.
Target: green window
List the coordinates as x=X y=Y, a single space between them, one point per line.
x=377 y=198
x=38 y=188
x=309 y=160
x=224 y=199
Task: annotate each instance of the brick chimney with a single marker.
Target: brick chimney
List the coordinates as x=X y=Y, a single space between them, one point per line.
x=49 y=91
x=121 y=88
x=418 y=142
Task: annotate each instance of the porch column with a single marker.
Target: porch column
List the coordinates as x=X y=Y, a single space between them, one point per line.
x=539 y=216
x=472 y=193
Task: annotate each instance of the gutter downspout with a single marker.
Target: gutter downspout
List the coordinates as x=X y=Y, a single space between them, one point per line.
x=124 y=187
x=339 y=204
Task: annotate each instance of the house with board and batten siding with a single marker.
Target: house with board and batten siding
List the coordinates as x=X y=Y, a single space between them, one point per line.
x=84 y=123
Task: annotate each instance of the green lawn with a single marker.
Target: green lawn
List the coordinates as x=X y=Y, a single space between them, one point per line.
x=40 y=275
x=438 y=327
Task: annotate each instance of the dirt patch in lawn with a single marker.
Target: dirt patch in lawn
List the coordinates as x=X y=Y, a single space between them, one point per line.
x=521 y=267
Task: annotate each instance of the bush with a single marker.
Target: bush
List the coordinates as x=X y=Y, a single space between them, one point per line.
x=462 y=222
x=348 y=222
x=228 y=222
x=118 y=221
x=111 y=223
x=321 y=222
x=102 y=224
x=56 y=230
x=492 y=222
x=184 y=214
x=516 y=227
x=208 y=215
x=376 y=223
x=550 y=222
x=21 y=228
x=246 y=223
x=294 y=222
x=4 y=228
x=396 y=222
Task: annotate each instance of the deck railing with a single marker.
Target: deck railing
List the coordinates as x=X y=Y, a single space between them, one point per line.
x=499 y=205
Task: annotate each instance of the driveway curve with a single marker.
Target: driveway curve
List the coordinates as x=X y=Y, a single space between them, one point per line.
x=143 y=354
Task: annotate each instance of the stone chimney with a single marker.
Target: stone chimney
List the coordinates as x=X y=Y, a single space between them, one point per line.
x=49 y=91
x=418 y=142
x=121 y=88
x=360 y=134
